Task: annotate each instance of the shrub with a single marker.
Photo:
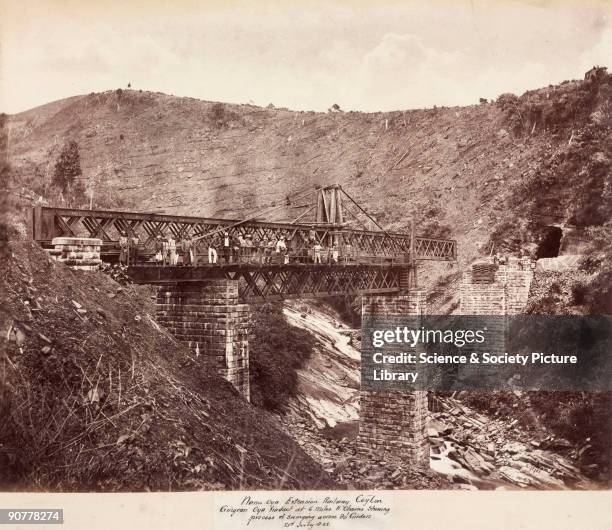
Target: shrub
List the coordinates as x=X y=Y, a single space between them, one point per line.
x=579 y=293
x=217 y=114
x=277 y=351
x=599 y=295
x=577 y=416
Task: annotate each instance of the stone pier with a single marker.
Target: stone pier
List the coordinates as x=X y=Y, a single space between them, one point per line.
x=207 y=317
x=496 y=289
x=394 y=422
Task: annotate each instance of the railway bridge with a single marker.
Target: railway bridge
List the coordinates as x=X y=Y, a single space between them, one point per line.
x=207 y=306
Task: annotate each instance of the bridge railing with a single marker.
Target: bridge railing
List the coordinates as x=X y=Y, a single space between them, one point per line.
x=49 y=222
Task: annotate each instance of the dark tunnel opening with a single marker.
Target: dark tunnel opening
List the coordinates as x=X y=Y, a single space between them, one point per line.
x=550 y=244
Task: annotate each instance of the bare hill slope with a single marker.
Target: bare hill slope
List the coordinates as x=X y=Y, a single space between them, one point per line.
x=466 y=172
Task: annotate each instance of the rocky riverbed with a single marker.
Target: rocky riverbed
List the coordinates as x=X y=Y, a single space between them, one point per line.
x=469 y=450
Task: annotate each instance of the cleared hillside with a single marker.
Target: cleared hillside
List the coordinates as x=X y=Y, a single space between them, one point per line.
x=493 y=175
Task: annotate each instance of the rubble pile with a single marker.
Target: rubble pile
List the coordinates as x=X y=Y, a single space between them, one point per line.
x=496 y=451
x=117 y=272
x=338 y=456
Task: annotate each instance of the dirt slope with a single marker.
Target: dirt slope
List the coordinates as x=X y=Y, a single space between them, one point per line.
x=94 y=395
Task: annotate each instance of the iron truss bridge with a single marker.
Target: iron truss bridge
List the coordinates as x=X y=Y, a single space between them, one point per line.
x=366 y=246
x=257 y=283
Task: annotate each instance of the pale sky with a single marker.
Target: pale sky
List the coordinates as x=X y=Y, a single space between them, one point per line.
x=305 y=55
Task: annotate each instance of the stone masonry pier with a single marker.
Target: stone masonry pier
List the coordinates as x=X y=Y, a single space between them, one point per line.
x=394 y=422
x=208 y=318
x=496 y=289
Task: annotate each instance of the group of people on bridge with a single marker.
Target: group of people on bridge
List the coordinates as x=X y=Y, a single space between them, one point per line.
x=128 y=248
x=224 y=248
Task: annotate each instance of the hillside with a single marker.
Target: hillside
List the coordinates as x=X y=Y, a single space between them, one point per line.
x=95 y=396
x=465 y=172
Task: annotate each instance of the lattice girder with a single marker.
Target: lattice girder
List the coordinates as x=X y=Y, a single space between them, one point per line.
x=365 y=245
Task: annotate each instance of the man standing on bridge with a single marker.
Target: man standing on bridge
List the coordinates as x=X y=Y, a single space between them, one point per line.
x=124 y=248
x=334 y=254
x=248 y=248
x=348 y=252
x=165 y=251
x=212 y=251
x=133 y=248
x=267 y=249
x=159 y=249
x=281 y=249
x=227 y=247
x=257 y=254
x=187 y=245
x=238 y=246
x=318 y=250
x=171 y=251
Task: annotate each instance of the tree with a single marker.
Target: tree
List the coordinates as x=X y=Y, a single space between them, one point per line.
x=218 y=114
x=68 y=166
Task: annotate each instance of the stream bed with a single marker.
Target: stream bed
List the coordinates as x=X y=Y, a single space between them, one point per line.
x=468 y=450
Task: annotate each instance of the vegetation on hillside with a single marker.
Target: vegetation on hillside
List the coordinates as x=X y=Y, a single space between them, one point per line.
x=68 y=167
x=5 y=198
x=556 y=108
x=277 y=350
x=571 y=185
x=492 y=176
x=462 y=172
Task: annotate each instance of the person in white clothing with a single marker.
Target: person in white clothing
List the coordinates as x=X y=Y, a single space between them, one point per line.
x=318 y=249
x=172 y=255
x=335 y=254
x=227 y=247
x=212 y=251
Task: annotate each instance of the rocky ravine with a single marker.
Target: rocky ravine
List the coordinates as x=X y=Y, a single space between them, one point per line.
x=468 y=450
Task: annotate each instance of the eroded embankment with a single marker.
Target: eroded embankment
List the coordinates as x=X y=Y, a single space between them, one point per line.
x=94 y=395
